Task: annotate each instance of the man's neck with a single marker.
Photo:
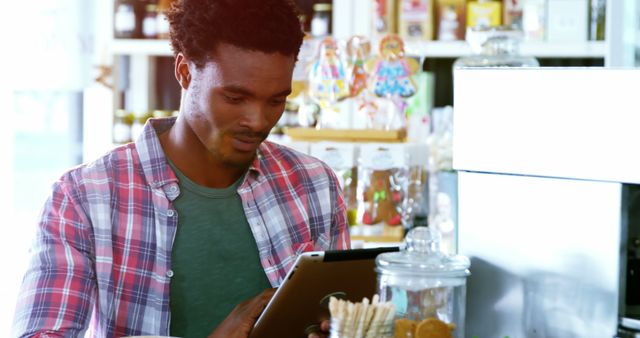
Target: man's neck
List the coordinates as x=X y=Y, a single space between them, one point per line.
x=193 y=159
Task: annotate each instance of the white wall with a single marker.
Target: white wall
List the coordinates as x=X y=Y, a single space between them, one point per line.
x=46 y=55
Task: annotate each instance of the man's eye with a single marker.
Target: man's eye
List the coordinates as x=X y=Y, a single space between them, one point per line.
x=277 y=102
x=233 y=99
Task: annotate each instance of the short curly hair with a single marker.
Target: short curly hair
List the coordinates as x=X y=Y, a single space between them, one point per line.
x=269 y=26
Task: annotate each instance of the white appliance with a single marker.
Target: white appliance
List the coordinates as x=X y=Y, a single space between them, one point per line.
x=549 y=186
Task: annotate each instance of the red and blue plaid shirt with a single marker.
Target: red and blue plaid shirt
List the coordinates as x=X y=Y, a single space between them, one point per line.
x=101 y=259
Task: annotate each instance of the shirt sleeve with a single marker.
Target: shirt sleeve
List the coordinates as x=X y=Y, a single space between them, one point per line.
x=58 y=289
x=340 y=239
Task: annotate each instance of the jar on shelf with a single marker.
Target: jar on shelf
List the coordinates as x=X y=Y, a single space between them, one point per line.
x=139 y=120
x=597 y=18
x=341 y=157
x=426 y=286
x=124 y=20
x=150 y=22
x=158 y=113
x=495 y=47
x=122 y=123
x=321 y=20
x=162 y=24
x=416 y=205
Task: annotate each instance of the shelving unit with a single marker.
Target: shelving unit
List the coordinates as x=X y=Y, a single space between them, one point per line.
x=349 y=18
x=454 y=49
x=426 y=49
x=145 y=47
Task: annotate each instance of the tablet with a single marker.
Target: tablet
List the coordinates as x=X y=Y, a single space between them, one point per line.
x=302 y=299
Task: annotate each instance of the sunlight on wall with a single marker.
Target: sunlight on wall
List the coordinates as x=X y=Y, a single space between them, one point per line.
x=46 y=71
x=11 y=245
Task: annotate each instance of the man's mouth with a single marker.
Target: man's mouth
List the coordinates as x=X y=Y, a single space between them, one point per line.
x=246 y=143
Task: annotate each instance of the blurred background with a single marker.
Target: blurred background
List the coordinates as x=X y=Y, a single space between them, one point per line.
x=80 y=77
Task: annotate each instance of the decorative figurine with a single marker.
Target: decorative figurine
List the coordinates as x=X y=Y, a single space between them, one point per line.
x=392 y=71
x=358 y=49
x=327 y=78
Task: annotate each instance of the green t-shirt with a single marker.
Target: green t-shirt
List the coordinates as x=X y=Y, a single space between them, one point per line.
x=215 y=259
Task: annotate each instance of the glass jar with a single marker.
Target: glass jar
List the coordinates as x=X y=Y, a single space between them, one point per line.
x=494 y=47
x=426 y=286
x=122 y=121
x=162 y=24
x=124 y=20
x=416 y=204
x=597 y=17
x=150 y=22
x=321 y=20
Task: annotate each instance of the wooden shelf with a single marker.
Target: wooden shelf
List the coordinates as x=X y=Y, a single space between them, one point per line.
x=428 y=49
x=385 y=233
x=346 y=135
x=542 y=49
x=149 y=47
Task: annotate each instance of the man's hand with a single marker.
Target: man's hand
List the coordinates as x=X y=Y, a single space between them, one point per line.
x=240 y=321
x=324 y=330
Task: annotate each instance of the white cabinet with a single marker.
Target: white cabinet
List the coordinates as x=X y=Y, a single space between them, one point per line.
x=542 y=208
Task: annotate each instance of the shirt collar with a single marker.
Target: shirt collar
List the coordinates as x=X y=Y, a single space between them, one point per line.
x=153 y=159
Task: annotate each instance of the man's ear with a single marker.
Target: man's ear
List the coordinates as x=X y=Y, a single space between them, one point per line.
x=182 y=71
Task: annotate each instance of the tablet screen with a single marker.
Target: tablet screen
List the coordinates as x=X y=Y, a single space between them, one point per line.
x=301 y=301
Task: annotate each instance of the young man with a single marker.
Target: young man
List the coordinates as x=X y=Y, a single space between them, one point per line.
x=167 y=235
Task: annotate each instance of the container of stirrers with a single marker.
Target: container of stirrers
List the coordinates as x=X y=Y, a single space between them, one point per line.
x=361 y=320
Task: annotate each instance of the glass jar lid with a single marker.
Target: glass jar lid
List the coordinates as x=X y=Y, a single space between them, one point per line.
x=422 y=256
x=494 y=40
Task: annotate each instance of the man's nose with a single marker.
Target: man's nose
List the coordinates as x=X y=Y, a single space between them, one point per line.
x=256 y=117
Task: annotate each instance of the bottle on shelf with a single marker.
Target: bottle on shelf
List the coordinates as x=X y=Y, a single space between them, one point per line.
x=122 y=123
x=513 y=13
x=150 y=22
x=451 y=19
x=321 y=20
x=124 y=20
x=484 y=13
x=162 y=24
x=139 y=119
x=384 y=17
x=415 y=19
x=534 y=20
x=597 y=12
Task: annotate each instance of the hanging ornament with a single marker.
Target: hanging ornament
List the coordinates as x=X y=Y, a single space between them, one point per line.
x=327 y=78
x=392 y=71
x=358 y=49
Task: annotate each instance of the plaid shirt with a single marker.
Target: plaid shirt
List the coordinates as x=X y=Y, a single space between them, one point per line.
x=102 y=255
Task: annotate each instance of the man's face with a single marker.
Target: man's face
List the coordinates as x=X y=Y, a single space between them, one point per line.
x=232 y=102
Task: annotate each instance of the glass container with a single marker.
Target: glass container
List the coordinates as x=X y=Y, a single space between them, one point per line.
x=321 y=20
x=495 y=47
x=124 y=24
x=426 y=286
x=150 y=22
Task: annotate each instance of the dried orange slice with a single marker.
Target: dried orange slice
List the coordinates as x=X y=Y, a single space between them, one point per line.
x=404 y=328
x=433 y=328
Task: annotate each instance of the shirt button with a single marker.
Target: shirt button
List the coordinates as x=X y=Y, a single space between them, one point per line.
x=170 y=212
x=170 y=273
x=173 y=188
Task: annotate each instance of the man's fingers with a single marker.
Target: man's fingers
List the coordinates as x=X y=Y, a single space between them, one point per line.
x=259 y=302
x=324 y=326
